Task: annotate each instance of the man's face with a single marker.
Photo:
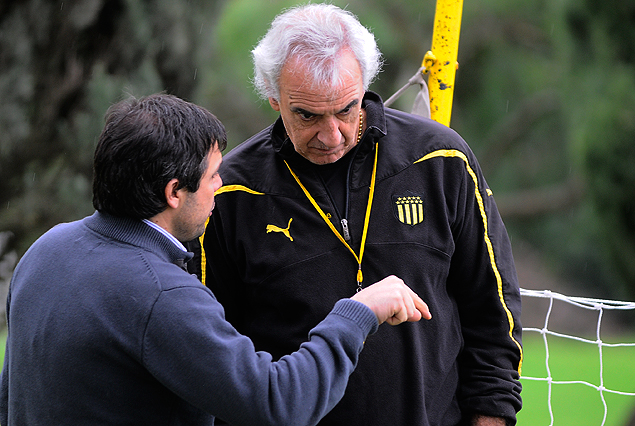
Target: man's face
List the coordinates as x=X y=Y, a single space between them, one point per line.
x=322 y=123
x=197 y=208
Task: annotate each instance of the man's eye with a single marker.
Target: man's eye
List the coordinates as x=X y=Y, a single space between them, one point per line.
x=306 y=115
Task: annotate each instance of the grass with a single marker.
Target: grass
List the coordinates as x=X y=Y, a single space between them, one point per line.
x=576 y=404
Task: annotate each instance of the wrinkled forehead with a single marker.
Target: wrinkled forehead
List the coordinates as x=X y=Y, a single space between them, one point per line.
x=323 y=101
x=299 y=84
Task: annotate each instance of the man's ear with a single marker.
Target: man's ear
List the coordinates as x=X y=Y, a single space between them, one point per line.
x=172 y=193
x=274 y=104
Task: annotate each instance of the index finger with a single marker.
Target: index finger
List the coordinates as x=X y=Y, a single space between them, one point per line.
x=421 y=306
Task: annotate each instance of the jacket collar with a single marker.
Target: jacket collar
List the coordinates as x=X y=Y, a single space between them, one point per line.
x=375 y=129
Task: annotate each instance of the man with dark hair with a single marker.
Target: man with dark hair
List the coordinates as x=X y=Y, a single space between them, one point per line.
x=355 y=190
x=105 y=327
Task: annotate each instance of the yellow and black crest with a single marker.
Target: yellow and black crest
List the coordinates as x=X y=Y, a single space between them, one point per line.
x=408 y=208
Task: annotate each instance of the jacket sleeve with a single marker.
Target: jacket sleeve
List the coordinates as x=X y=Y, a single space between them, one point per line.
x=483 y=279
x=244 y=387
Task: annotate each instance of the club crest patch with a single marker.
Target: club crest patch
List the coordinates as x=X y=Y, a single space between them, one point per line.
x=408 y=208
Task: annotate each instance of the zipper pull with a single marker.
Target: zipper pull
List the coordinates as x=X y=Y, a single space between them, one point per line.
x=347 y=234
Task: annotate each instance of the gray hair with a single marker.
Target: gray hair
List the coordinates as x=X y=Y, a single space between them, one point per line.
x=315 y=34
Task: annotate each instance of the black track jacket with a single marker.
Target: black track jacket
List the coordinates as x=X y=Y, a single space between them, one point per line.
x=278 y=269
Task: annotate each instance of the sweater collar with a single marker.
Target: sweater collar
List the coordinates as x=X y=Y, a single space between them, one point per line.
x=136 y=233
x=375 y=129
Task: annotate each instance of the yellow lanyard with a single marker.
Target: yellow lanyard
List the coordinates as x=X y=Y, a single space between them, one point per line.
x=360 y=277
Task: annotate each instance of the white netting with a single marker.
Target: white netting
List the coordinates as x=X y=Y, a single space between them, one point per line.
x=597 y=305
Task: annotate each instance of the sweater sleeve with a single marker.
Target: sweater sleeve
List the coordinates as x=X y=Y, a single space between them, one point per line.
x=193 y=351
x=4 y=378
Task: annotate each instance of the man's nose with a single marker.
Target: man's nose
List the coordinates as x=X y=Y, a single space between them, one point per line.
x=329 y=133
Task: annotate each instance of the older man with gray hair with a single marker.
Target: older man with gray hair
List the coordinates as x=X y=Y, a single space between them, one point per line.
x=341 y=191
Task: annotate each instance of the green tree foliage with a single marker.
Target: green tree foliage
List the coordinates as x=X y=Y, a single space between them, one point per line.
x=603 y=123
x=61 y=65
x=543 y=95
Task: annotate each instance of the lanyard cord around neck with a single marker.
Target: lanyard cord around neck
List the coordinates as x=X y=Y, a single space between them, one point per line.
x=360 y=277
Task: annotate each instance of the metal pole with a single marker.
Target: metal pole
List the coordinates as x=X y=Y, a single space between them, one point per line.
x=441 y=62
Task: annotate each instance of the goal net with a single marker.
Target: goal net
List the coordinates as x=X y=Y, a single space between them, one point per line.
x=588 y=322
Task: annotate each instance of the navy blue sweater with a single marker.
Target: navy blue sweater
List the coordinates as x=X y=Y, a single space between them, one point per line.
x=105 y=328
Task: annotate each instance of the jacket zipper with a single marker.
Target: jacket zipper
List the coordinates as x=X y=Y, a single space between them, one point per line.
x=343 y=217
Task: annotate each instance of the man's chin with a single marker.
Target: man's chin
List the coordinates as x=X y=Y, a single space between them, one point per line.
x=322 y=160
